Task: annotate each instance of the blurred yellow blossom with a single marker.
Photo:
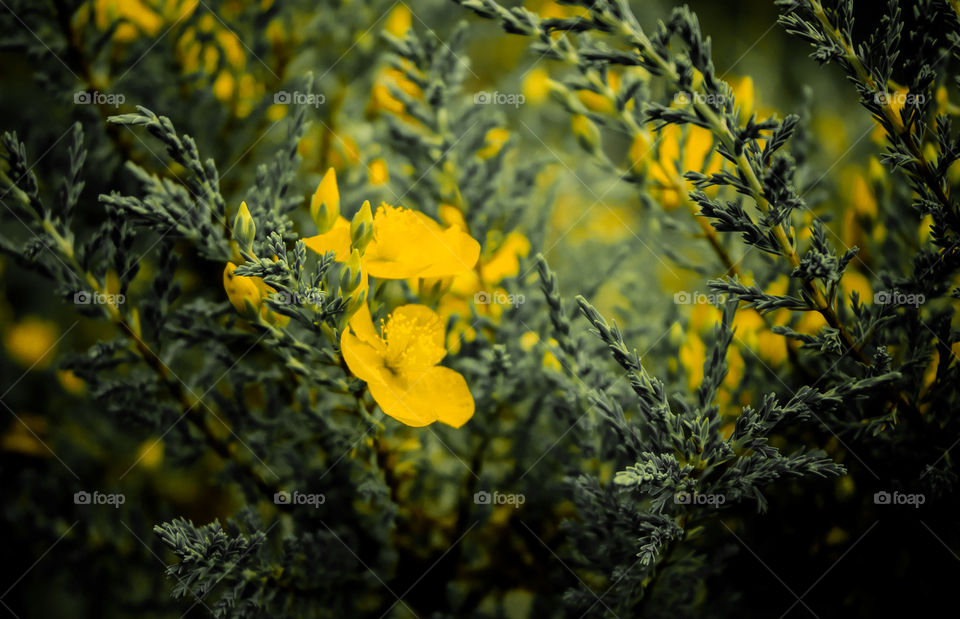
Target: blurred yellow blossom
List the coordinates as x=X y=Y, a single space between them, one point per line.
x=31 y=342
x=495 y=139
x=378 y=172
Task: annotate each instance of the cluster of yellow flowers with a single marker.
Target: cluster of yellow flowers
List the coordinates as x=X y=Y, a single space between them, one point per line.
x=400 y=363
x=205 y=46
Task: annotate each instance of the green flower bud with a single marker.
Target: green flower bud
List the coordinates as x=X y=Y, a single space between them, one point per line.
x=244 y=228
x=325 y=203
x=361 y=228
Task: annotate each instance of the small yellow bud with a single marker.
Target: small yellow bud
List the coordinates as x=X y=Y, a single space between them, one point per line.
x=864 y=202
x=325 y=204
x=242 y=291
x=350 y=277
x=587 y=133
x=379 y=174
x=639 y=151
x=361 y=228
x=354 y=302
x=244 y=228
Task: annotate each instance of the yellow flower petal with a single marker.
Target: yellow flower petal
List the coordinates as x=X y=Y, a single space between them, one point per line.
x=365 y=360
x=437 y=394
x=404 y=398
x=337 y=241
x=362 y=325
x=455 y=405
x=409 y=244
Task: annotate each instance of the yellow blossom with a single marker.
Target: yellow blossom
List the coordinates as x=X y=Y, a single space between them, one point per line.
x=536 y=86
x=862 y=198
x=399 y=21
x=31 y=342
x=71 y=382
x=692 y=356
x=495 y=139
x=400 y=367
x=379 y=174
x=405 y=244
x=694 y=151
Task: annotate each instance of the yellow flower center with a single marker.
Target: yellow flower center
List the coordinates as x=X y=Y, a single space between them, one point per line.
x=409 y=345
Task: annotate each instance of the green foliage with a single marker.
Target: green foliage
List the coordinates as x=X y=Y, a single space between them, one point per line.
x=593 y=480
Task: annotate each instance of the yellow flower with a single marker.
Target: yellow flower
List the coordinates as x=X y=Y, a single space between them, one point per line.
x=405 y=244
x=495 y=139
x=378 y=171
x=694 y=151
x=597 y=102
x=692 y=356
x=862 y=198
x=536 y=86
x=381 y=97
x=136 y=16
x=399 y=21
x=71 y=382
x=31 y=342
x=400 y=367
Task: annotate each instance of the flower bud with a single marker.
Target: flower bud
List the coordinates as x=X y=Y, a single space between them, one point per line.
x=325 y=204
x=242 y=292
x=361 y=228
x=354 y=301
x=351 y=275
x=587 y=133
x=244 y=228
